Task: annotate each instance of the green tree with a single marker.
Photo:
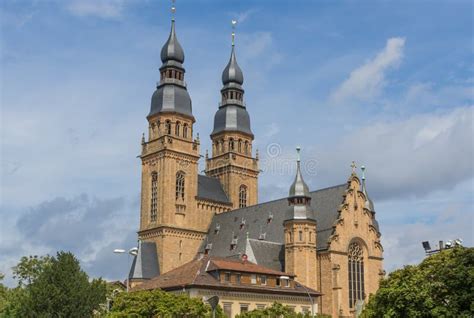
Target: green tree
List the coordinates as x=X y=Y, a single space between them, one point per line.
x=277 y=310
x=441 y=286
x=53 y=287
x=157 y=303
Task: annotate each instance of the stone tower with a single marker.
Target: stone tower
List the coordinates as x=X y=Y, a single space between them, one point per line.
x=169 y=157
x=232 y=161
x=300 y=233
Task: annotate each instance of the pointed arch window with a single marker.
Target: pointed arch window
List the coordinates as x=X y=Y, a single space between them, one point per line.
x=177 y=128
x=154 y=197
x=168 y=127
x=356 y=273
x=185 y=130
x=180 y=185
x=242 y=196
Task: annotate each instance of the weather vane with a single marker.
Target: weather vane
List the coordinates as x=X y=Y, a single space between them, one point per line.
x=234 y=22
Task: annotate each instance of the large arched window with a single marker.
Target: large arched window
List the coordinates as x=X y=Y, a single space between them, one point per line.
x=356 y=273
x=242 y=196
x=154 y=196
x=180 y=185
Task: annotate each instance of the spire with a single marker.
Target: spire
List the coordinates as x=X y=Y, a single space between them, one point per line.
x=369 y=205
x=232 y=72
x=232 y=114
x=172 y=50
x=299 y=187
x=299 y=198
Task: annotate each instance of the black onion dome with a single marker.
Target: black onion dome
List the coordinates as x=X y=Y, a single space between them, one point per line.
x=172 y=50
x=232 y=72
x=232 y=118
x=171 y=98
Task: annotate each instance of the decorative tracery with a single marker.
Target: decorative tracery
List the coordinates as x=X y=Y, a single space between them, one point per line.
x=154 y=196
x=242 y=196
x=180 y=185
x=355 y=256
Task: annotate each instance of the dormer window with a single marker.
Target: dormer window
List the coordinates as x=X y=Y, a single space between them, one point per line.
x=217 y=228
x=270 y=217
x=262 y=236
x=233 y=243
x=263 y=280
x=208 y=248
x=242 y=224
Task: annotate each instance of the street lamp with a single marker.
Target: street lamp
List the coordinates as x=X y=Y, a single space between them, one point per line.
x=307 y=292
x=133 y=251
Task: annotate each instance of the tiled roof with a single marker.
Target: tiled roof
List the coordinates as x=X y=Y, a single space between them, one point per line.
x=211 y=189
x=197 y=274
x=240 y=266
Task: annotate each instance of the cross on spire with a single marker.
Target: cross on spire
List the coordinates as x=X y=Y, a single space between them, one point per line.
x=234 y=22
x=353 y=166
x=173 y=9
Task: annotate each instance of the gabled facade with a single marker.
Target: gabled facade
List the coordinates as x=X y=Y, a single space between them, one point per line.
x=328 y=240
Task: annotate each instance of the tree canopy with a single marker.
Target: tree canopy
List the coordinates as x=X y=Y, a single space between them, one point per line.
x=52 y=287
x=157 y=303
x=441 y=286
x=277 y=310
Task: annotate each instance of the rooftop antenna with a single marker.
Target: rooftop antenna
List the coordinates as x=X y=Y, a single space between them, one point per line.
x=234 y=23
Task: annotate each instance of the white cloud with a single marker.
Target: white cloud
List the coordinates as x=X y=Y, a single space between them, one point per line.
x=105 y=9
x=366 y=82
x=408 y=157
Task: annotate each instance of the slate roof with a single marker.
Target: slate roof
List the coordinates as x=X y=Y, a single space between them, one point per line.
x=199 y=273
x=266 y=219
x=145 y=264
x=211 y=189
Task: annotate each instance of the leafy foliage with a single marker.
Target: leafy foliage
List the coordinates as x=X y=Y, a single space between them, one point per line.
x=157 y=303
x=276 y=310
x=52 y=287
x=441 y=286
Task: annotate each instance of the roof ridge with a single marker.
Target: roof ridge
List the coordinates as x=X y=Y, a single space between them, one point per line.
x=284 y=198
x=263 y=241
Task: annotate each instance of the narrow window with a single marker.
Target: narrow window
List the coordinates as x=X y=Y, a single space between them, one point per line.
x=263 y=280
x=180 y=185
x=356 y=274
x=238 y=278
x=227 y=277
x=177 y=128
x=310 y=236
x=240 y=145
x=168 y=127
x=301 y=235
x=242 y=196
x=185 y=130
x=246 y=147
x=231 y=144
x=154 y=196
x=228 y=309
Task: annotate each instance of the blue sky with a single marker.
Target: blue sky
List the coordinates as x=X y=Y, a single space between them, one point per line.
x=387 y=84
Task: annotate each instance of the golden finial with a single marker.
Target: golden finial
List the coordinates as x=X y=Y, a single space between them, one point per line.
x=234 y=22
x=173 y=9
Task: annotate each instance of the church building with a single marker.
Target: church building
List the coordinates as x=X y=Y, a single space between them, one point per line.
x=326 y=242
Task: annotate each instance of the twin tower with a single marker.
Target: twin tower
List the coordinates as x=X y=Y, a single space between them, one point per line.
x=177 y=204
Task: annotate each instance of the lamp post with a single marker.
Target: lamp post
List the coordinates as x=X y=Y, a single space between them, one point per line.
x=133 y=251
x=307 y=292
